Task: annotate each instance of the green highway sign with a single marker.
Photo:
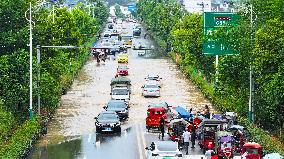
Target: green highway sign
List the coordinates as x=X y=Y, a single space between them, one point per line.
x=213 y=21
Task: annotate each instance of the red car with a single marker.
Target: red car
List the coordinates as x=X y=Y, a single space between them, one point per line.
x=122 y=71
x=154 y=116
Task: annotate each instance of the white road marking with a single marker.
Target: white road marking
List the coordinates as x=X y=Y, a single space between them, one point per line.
x=90 y=136
x=139 y=142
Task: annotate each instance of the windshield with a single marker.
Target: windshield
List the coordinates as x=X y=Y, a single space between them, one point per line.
x=120 y=92
x=252 y=151
x=166 y=146
x=151 y=86
x=107 y=117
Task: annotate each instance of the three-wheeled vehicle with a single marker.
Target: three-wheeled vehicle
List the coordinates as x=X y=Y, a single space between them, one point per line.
x=240 y=136
x=252 y=150
x=154 y=116
x=176 y=128
x=224 y=144
x=207 y=133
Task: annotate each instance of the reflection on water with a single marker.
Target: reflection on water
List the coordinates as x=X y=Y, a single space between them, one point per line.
x=65 y=150
x=93 y=146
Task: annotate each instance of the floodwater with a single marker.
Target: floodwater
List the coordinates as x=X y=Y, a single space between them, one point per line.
x=71 y=133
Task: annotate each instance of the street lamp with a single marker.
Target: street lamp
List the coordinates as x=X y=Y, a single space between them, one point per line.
x=29 y=19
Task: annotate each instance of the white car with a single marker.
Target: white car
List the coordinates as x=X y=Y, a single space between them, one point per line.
x=151 y=89
x=153 y=77
x=141 y=52
x=105 y=43
x=162 y=150
x=118 y=43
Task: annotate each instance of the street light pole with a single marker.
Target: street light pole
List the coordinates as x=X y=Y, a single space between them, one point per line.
x=31 y=63
x=38 y=78
x=251 y=107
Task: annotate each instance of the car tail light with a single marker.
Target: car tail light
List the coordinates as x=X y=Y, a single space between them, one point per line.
x=157 y=90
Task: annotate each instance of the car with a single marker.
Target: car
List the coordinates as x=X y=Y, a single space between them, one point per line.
x=120 y=107
x=151 y=89
x=162 y=150
x=105 y=44
x=106 y=34
x=107 y=121
x=117 y=43
x=154 y=77
x=122 y=70
x=122 y=58
x=141 y=52
x=120 y=93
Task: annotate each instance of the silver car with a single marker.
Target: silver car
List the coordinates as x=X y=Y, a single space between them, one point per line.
x=151 y=89
x=163 y=149
x=153 y=77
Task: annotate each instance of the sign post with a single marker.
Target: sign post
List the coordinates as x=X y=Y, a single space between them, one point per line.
x=213 y=21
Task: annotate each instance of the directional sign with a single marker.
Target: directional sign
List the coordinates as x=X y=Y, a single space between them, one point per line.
x=213 y=21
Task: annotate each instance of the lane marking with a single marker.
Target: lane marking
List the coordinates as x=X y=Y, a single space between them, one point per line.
x=138 y=142
x=89 y=139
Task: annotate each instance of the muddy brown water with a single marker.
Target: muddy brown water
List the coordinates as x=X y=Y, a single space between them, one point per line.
x=71 y=133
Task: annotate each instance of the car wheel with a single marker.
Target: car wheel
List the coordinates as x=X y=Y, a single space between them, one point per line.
x=118 y=129
x=98 y=129
x=148 y=128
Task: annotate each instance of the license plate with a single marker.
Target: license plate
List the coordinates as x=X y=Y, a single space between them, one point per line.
x=107 y=129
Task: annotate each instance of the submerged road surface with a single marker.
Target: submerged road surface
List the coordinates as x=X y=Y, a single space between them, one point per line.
x=71 y=134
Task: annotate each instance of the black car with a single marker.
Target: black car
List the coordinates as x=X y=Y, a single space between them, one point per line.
x=118 y=106
x=107 y=121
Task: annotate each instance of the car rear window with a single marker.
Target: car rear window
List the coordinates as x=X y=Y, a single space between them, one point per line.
x=151 y=86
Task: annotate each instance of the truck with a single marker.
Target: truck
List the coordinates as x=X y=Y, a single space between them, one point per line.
x=120 y=89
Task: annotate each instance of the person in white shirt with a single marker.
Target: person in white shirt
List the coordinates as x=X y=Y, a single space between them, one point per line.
x=186 y=139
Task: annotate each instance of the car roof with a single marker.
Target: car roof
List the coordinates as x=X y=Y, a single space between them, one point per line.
x=153 y=75
x=107 y=112
x=164 y=145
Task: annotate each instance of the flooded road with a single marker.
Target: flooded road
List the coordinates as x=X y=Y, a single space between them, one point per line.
x=71 y=133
